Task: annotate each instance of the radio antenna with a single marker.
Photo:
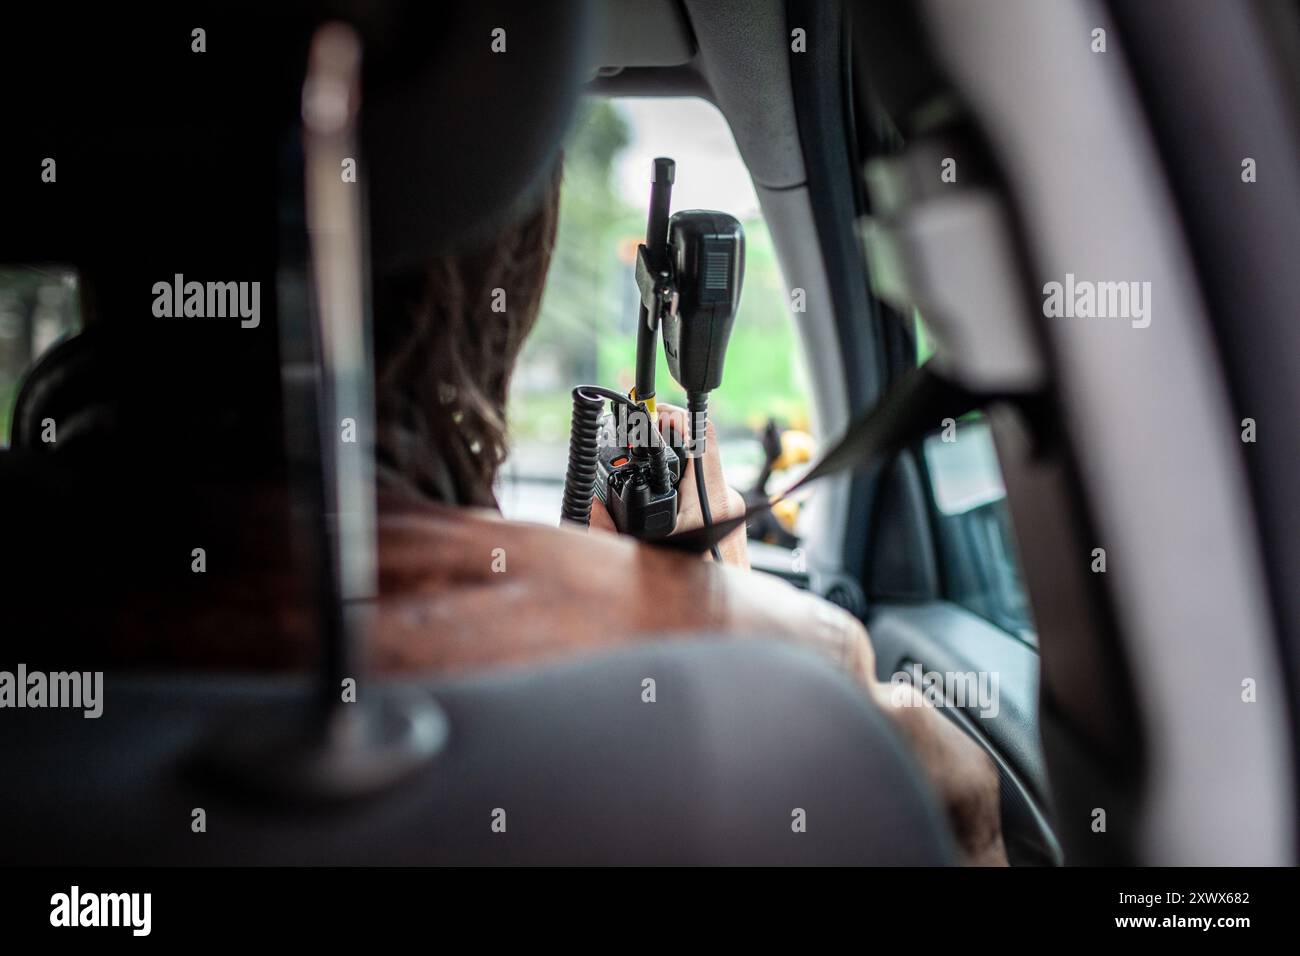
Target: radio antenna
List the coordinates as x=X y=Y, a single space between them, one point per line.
x=662 y=174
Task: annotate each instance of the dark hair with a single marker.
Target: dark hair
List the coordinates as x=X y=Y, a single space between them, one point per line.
x=443 y=357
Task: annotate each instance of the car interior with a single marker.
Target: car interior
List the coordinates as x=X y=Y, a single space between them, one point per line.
x=1090 y=530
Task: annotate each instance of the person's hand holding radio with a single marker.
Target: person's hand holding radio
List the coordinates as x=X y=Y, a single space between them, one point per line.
x=725 y=502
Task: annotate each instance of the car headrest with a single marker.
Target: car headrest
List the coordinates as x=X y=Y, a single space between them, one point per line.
x=135 y=391
x=168 y=131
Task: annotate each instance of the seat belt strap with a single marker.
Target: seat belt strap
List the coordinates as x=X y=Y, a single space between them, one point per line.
x=913 y=406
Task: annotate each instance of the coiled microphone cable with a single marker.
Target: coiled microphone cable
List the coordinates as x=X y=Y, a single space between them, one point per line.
x=584 y=443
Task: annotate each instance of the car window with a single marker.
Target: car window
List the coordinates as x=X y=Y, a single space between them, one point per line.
x=38 y=307
x=981 y=570
x=587 y=326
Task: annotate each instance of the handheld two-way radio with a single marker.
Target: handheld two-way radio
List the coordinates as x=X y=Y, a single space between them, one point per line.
x=689 y=272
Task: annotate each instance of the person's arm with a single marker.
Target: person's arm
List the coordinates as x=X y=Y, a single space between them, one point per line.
x=963 y=776
x=959 y=770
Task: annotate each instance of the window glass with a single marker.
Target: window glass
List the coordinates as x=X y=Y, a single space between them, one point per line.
x=38 y=307
x=586 y=332
x=976 y=546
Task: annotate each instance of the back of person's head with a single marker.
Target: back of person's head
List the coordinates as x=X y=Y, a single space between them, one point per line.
x=447 y=336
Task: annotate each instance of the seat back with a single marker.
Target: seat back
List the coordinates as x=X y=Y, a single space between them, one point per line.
x=747 y=754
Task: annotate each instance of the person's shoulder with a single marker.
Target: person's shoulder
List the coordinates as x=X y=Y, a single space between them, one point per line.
x=420 y=538
x=762 y=603
x=586 y=587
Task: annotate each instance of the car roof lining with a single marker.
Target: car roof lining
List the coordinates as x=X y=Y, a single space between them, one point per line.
x=641 y=33
x=741 y=64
